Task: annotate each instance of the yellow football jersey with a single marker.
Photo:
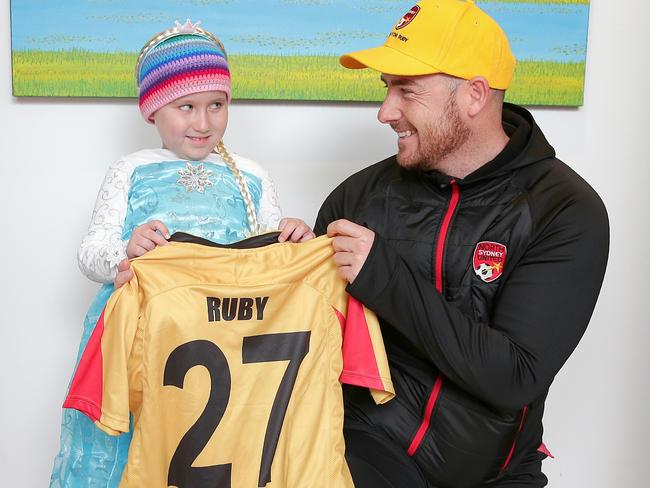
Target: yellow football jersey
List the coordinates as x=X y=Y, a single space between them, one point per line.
x=231 y=362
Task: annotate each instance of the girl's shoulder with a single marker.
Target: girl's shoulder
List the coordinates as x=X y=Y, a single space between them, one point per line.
x=128 y=163
x=244 y=164
x=145 y=156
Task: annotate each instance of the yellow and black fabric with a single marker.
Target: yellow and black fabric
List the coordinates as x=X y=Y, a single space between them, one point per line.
x=231 y=362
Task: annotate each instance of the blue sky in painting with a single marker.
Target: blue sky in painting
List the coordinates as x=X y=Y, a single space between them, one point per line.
x=305 y=27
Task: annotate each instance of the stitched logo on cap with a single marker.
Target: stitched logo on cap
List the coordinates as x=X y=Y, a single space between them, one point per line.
x=408 y=17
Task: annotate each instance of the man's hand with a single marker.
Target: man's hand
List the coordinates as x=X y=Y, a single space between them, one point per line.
x=352 y=245
x=146 y=237
x=124 y=273
x=294 y=230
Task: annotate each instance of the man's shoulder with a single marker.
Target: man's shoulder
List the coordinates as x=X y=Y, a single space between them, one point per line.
x=554 y=176
x=364 y=184
x=356 y=191
x=371 y=177
x=555 y=189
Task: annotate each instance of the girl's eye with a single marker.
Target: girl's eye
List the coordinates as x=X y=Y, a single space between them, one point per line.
x=187 y=106
x=217 y=105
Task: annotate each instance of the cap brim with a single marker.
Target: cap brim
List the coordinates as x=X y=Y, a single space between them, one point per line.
x=386 y=60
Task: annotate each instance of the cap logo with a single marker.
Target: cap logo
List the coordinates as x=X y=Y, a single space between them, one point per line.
x=489 y=260
x=408 y=17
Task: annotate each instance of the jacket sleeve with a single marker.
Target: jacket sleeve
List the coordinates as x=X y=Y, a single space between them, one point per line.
x=540 y=313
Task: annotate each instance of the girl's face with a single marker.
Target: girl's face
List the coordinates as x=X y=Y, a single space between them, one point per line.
x=192 y=126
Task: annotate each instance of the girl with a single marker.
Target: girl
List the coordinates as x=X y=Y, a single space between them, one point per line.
x=193 y=184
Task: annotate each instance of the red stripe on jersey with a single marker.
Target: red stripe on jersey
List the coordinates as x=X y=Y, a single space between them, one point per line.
x=85 y=392
x=341 y=318
x=359 y=363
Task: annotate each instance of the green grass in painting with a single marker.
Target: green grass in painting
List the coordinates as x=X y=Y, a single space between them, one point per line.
x=547 y=83
x=73 y=74
x=89 y=74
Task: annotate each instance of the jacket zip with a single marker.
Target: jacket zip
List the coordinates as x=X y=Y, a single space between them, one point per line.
x=438 y=265
x=442 y=235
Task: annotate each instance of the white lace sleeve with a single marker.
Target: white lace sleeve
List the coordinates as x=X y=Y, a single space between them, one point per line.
x=269 y=213
x=102 y=248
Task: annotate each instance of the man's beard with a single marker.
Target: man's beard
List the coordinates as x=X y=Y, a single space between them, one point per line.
x=438 y=140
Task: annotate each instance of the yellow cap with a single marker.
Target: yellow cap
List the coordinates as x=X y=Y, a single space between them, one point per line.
x=442 y=36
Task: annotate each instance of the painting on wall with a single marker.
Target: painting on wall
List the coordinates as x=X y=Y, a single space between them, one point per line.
x=278 y=49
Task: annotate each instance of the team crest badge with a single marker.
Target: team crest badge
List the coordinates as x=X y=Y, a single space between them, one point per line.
x=489 y=260
x=408 y=17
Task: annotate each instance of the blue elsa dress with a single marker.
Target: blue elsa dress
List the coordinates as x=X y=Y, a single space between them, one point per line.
x=89 y=458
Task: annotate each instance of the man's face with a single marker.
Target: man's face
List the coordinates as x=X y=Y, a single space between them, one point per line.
x=192 y=126
x=422 y=110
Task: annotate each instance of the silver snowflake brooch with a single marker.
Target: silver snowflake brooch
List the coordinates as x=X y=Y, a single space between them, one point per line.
x=195 y=178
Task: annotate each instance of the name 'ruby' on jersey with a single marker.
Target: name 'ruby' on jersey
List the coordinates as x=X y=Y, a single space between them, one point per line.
x=231 y=362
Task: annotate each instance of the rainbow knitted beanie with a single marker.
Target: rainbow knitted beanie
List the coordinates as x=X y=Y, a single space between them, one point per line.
x=179 y=62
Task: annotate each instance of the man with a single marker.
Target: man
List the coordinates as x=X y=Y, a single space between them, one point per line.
x=481 y=252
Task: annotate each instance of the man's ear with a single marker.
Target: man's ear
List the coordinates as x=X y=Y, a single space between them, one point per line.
x=478 y=95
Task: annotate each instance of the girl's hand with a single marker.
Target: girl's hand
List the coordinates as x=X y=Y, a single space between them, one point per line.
x=146 y=237
x=294 y=230
x=124 y=273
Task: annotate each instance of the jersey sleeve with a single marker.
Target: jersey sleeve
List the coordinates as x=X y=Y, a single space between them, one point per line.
x=100 y=386
x=364 y=356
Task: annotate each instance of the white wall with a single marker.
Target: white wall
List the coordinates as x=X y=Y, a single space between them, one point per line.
x=55 y=152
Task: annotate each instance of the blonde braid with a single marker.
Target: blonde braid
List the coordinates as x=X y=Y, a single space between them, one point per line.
x=251 y=214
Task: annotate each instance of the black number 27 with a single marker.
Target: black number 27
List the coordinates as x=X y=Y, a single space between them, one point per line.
x=290 y=346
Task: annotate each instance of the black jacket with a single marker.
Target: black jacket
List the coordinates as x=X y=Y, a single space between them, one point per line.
x=472 y=358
